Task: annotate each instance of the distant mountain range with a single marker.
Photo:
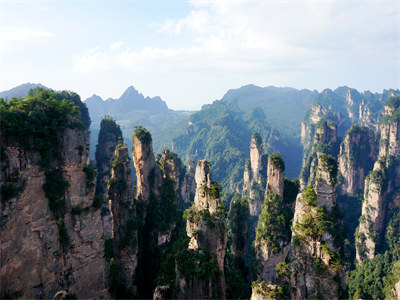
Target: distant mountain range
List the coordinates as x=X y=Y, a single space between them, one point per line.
x=20 y=91
x=130 y=100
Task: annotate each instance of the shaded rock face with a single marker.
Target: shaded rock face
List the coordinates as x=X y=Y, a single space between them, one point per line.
x=122 y=203
x=145 y=166
x=202 y=235
x=39 y=255
x=379 y=185
x=109 y=135
x=315 y=268
x=185 y=184
x=271 y=245
x=325 y=140
x=358 y=152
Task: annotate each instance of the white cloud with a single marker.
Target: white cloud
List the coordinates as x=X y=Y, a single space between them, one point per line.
x=12 y=34
x=295 y=43
x=116 y=46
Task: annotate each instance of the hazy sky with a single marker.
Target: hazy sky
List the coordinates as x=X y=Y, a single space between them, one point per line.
x=191 y=52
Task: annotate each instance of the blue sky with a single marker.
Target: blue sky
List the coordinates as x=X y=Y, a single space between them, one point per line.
x=191 y=52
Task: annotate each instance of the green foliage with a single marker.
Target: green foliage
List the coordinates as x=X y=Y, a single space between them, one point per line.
x=76 y=210
x=142 y=134
x=277 y=161
x=313 y=224
x=115 y=284
x=197 y=264
x=282 y=269
x=369 y=279
x=329 y=163
x=378 y=177
x=108 y=249
x=63 y=233
x=54 y=189
x=215 y=191
x=98 y=201
x=274 y=223
x=310 y=196
x=257 y=138
x=393 y=102
x=38 y=121
x=8 y=191
x=237 y=224
x=90 y=173
x=322 y=123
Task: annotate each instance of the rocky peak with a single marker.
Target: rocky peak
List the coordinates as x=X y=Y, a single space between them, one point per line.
x=325 y=184
x=206 y=227
x=378 y=186
x=122 y=203
x=145 y=164
x=109 y=136
x=204 y=198
x=358 y=152
x=316 y=245
x=255 y=156
x=50 y=231
x=275 y=182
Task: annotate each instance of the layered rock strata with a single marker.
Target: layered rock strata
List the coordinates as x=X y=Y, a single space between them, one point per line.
x=316 y=269
x=125 y=223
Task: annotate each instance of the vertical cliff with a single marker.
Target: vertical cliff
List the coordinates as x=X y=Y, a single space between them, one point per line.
x=157 y=209
x=206 y=228
x=109 y=136
x=254 y=176
x=325 y=140
x=317 y=238
x=51 y=235
x=272 y=243
x=381 y=184
x=125 y=223
x=358 y=152
x=184 y=182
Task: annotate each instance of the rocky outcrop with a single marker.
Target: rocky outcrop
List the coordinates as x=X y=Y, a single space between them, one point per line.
x=325 y=141
x=147 y=174
x=380 y=184
x=206 y=227
x=109 y=136
x=51 y=235
x=358 y=152
x=125 y=223
x=272 y=243
x=184 y=181
x=254 y=180
x=316 y=268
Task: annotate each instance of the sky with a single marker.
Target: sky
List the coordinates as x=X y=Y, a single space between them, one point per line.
x=192 y=52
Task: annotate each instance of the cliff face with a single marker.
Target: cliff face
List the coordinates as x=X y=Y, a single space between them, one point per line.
x=184 y=181
x=125 y=222
x=316 y=244
x=109 y=135
x=380 y=185
x=145 y=165
x=51 y=235
x=358 y=152
x=324 y=141
x=206 y=228
x=271 y=246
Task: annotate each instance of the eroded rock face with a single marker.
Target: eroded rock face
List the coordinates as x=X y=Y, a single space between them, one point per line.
x=324 y=141
x=272 y=251
x=41 y=255
x=378 y=186
x=122 y=202
x=184 y=181
x=147 y=174
x=358 y=152
x=202 y=235
x=315 y=268
x=109 y=135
